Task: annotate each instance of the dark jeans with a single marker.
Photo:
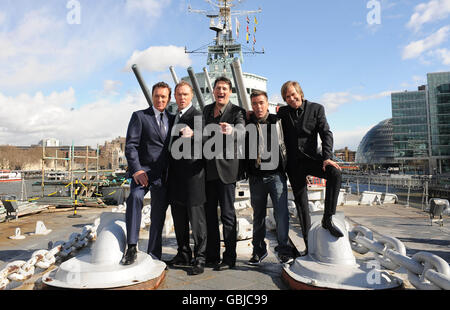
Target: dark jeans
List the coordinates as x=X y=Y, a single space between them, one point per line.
x=297 y=177
x=133 y=216
x=260 y=187
x=182 y=215
x=218 y=193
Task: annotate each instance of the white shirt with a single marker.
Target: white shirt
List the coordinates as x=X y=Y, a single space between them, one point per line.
x=180 y=113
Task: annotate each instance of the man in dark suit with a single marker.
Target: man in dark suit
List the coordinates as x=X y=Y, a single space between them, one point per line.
x=223 y=170
x=147 y=154
x=187 y=180
x=302 y=122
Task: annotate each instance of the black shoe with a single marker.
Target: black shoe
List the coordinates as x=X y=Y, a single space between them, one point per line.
x=285 y=258
x=178 y=261
x=224 y=265
x=256 y=259
x=303 y=253
x=327 y=223
x=198 y=268
x=130 y=255
x=212 y=264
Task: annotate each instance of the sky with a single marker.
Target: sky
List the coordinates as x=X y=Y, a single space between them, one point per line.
x=65 y=65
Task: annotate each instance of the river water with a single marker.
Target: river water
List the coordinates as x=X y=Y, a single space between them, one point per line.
x=28 y=190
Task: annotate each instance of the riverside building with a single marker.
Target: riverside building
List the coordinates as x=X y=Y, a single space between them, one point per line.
x=421 y=126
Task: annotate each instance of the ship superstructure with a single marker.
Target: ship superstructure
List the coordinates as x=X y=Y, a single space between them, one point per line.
x=223 y=51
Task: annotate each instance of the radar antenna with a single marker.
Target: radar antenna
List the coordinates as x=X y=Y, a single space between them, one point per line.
x=224 y=48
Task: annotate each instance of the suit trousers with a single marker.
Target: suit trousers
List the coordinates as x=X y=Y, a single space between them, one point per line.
x=182 y=216
x=133 y=216
x=218 y=193
x=297 y=178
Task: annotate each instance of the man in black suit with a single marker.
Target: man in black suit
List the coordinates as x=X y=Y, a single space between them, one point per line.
x=223 y=170
x=147 y=155
x=187 y=180
x=302 y=122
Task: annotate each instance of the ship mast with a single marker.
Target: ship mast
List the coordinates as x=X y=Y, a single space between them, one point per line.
x=225 y=48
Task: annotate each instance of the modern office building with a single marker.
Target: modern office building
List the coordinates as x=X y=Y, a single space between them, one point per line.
x=421 y=126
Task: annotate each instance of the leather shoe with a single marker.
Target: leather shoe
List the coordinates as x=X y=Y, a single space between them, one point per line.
x=198 y=268
x=130 y=255
x=225 y=265
x=327 y=223
x=178 y=260
x=303 y=253
x=212 y=264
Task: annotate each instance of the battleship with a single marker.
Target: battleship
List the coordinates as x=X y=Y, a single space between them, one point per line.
x=386 y=245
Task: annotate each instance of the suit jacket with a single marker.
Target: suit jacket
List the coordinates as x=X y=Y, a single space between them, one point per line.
x=187 y=175
x=145 y=149
x=230 y=170
x=301 y=141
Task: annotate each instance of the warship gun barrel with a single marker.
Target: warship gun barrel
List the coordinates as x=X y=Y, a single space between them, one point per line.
x=236 y=84
x=174 y=75
x=208 y=80
x=144 y=88
x=240 y=83
x=196 y=87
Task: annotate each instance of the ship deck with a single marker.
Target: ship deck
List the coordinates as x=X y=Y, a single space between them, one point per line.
x=408 y=224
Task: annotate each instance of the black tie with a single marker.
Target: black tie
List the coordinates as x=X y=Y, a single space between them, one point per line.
x=161 y=127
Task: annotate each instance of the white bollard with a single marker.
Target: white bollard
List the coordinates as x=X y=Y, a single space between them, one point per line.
x=41 y=229
x=101 y=268
x=17 y=235
x=244 y=229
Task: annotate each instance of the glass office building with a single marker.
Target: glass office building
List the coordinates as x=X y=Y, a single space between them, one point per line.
x=376 y=147
x=439 y=100
x=421 y=126
x=411 y=130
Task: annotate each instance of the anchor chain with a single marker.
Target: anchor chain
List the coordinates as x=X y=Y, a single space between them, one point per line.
x=425 y=271
x=20 y=270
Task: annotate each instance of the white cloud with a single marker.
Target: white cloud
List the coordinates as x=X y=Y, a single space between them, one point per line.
x=152 y=8
x=444 y=55
x=26 y=119
x=2 y=17
x=416 y=48
x=111 y=87
x=159 y=58
x=39 y=47
x=432 y=11
x=332 y=101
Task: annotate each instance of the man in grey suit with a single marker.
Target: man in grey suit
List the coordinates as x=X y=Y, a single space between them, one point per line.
x=147 y=154
x=222 y=173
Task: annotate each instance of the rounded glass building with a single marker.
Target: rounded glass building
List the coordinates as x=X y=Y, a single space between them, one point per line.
x=377 y=146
